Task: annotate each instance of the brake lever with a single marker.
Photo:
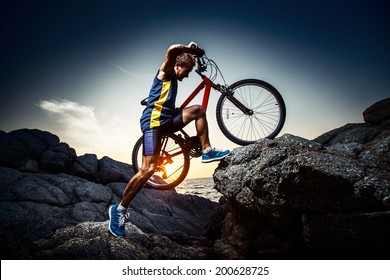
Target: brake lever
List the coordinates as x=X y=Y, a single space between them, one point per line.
x=202 y=67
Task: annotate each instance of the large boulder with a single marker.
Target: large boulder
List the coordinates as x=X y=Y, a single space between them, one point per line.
x=110 y=170
x=85 y=166
x=58 y=158
x=36 y=141
x=12 y=152
x=293 y=198
x=378 y=113
x=22 y=149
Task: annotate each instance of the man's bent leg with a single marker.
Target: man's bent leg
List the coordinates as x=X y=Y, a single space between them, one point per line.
x=197 y=113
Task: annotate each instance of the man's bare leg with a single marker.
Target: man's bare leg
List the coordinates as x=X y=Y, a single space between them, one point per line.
x=137 y=182
x=117 y=212
x=197 y=113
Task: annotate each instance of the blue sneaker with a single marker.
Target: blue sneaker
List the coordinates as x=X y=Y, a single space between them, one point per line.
x=117 y=221
x=214 y=155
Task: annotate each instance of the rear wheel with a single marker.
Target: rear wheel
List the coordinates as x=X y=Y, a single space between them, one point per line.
x=173 y=164
x=264 y=119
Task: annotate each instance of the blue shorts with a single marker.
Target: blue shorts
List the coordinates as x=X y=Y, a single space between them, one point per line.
x=153 y=136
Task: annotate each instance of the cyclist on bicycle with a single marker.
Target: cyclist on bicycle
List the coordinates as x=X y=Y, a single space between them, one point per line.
x=160 y=117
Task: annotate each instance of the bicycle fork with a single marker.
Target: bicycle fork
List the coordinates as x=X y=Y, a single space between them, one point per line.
x=228 y=92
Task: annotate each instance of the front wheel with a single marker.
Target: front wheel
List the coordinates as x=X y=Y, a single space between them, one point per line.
x=263 y=117
x=173 y=164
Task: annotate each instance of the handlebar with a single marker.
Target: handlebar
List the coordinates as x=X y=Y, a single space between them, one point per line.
x=197 y=51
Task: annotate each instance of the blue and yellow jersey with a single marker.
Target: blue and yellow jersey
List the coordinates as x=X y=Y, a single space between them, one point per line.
x=161 y=103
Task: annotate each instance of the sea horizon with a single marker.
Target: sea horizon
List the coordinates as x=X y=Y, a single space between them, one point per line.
x=203 y=187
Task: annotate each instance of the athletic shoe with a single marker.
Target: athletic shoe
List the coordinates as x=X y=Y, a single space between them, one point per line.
x=214 y=155
x=117 y=221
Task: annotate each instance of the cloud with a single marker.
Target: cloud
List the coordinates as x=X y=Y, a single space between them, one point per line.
x=128 y=72
x=78 y=125
x=71 y=114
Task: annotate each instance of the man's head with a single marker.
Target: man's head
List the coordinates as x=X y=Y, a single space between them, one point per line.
x=184 y=64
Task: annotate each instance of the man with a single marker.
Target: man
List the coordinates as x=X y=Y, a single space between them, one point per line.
x=160 y=117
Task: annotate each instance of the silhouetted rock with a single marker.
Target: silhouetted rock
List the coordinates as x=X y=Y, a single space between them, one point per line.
x=110 y=170
x=378 y=113
x=36 y=150
x=35 y=141
x=58 y=158
x=85 y=166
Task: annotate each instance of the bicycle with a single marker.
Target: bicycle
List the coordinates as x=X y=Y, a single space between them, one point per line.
x=247 y=110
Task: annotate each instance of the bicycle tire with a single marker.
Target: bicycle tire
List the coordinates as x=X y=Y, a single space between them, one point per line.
x=177 y=170
x=267 y=120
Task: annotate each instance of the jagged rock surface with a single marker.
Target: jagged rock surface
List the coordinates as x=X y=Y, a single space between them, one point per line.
x=295 y=198
x=41 y=214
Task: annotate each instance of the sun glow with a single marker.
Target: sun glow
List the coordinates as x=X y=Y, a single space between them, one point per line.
x=169 y=169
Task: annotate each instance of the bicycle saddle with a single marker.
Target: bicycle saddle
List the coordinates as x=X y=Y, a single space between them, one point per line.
x=144 y=101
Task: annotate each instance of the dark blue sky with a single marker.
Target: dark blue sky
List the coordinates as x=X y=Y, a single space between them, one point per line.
x=329 y=59
x=33 y=32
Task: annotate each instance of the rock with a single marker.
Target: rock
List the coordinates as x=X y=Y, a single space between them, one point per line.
x=12 y=152
x=110 y=170
x=35 y=141
x=274 y=185
x=356 y=234
x=170 y=211
x=351 y=133
x=23 y=148
x=44 y=211
x=91 y=240
x=86 y=167
x=378 y=113
x=36 y=150
x=58 y=158
x=214 y=225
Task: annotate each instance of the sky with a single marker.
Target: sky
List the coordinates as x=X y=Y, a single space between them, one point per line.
x=79 y=69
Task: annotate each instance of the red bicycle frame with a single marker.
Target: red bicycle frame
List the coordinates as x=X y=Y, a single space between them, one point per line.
x=205 y=82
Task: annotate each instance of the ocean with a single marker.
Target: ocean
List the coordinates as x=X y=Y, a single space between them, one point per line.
x=203 y=187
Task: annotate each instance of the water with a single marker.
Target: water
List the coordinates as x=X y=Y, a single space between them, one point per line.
x=203 y=187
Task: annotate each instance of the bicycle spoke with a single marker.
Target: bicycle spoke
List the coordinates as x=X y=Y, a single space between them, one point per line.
x=172 y=167
x=265 y=116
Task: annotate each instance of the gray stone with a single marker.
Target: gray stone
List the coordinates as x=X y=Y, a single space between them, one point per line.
x=110 y=170
x=34 y=206
x=342 y=235
x=58 y=158
x=35 y=141
x=13 y=153
x=85 y=166
x=378 y=113
x=274 y=185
